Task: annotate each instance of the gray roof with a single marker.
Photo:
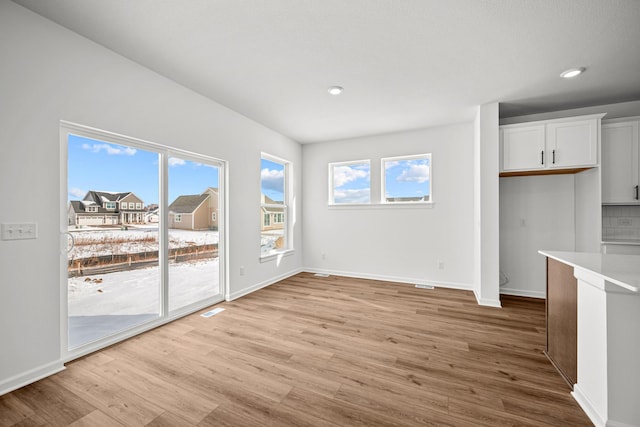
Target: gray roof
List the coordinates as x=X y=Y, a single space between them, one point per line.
x=188 y=203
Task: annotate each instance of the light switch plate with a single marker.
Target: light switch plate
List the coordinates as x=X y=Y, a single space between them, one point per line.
x=19 y=231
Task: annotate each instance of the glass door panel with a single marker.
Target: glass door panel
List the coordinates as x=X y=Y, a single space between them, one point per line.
x=193 y=228
x=114 y=279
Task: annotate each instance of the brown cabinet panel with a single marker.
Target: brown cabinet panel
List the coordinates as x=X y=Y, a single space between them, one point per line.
x=562 y=319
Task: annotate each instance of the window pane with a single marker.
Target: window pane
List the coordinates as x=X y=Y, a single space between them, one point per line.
x=113 y=274
x=193 y=232
x=273 y=205
x=407 y=179
x=350 y=182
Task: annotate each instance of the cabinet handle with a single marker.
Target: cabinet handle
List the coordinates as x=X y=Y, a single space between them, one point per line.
x=636 y=189
x=553 y=157
x=542 y=157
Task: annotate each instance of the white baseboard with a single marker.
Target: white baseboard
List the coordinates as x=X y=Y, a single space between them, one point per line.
x=250 y=289
x=399 y=279
x=588 y=407
x=487 y=302
x=523 y=293
x=30 y=376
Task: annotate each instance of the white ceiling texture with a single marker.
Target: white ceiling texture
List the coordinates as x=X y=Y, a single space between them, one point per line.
x=404 y=64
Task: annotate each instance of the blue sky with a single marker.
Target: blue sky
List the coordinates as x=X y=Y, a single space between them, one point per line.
x=351 y=183
x=272 y=180
x=96 y=165
x=407 y=178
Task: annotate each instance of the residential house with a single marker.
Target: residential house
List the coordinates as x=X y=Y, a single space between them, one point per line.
x=272 y=216
x=106 y=208
x=195 y=211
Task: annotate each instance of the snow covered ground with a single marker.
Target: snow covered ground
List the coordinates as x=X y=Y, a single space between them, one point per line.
x=108 y=303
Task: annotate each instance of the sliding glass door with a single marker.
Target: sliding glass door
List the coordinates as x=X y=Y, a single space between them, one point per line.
x=193 y=225
x=142 y=223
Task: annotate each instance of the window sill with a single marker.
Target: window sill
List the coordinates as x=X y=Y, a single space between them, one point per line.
x=423 y=205
x=276 y=255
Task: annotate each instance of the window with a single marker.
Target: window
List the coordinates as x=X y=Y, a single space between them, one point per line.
x=110 y=205
x=132 y=205
x=139 y=206
x=274 y=199
x=350 y=182
x=407 y=179
x=92 y=209
x=214 y=217
x=178 y=218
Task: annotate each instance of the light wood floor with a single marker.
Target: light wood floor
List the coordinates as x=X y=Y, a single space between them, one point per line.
x=314 y=351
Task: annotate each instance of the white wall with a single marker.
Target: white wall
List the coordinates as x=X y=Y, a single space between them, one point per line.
x=486 y=155
x=391 y=242
x=50 y=74
x=536 y=212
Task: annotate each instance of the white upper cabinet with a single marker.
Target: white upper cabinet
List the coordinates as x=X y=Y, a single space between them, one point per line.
x=571 y=144
x=536 y=147
x=620 y=162
x=522 y=147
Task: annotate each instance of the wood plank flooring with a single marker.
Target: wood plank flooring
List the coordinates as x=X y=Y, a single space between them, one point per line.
x=312 y=351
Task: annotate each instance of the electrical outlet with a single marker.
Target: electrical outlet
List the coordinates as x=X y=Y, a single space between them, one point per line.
x=242 y=270
x=324 y=256
x=441 y=265
x=27 y=230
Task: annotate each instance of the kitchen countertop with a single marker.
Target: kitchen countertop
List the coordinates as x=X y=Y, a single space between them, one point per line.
x=622 y=270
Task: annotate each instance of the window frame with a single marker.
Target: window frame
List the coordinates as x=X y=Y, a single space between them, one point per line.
x=331 y=192
x=110 y=206
x=286 y=207
x=177 y=217
x=383 y=179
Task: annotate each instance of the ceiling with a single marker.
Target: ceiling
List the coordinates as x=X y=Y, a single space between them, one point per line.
x=404 y=64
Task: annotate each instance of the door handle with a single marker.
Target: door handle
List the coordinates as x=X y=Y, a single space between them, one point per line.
x=636 y=189
x=553 y=157
x=542 y=157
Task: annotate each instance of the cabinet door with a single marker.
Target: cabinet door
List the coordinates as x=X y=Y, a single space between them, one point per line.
x=571 y=144
x=619 y=162
x=522 y=148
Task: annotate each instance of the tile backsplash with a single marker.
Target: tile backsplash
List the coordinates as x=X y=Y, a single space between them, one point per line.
x=620 y=223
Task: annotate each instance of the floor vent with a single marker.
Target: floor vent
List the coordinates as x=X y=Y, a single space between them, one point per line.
x=424 y=286
x=321 y=275
x=212 y=312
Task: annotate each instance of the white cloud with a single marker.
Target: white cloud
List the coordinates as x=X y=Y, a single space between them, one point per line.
x=272 y=179
x=110 y=149
x=345 y=174
x=351 y=196
x=415 y=173
x=389 y=165
x=77 y=193
x=174 y=161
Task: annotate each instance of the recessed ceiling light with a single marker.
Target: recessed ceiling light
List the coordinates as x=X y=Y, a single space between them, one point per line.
x=572 y=72
x=335 y=90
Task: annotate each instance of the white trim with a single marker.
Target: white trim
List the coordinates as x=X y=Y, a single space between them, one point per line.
x=588 y=407
x=487 y=302
x=398 y=279
x=274 y=255
x=523 y=293
x=393 y=205
x=30 y=376
x=258 y=286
